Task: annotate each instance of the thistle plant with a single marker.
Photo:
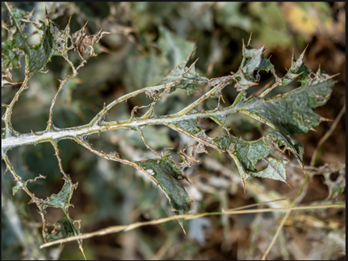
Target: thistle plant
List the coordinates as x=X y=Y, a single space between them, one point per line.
x=284 y=115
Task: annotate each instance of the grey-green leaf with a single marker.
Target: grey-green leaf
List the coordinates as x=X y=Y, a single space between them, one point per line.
x=64 y=228
x=167 y=175
x=17 y=187
x=276 y=170
x=52 y=41
x=187 y=78
x=62 y=199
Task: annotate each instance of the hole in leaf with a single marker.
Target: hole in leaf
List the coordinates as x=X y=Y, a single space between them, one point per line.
x=54 y=214
x=38 y=160
x=334 y=176
x=261 y=165
x=34 y=40
x=229 y=94
x=212 y=129
x=107 y=141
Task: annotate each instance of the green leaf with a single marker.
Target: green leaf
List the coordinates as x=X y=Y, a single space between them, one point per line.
x=9 y=56
x=303 y=100
x=292 y=112
x=187 y=77
x=244 y=153
x=62 y=199
x=63 y=228
x=266 y=65
x=279 y=139
x=244 y=81
x=167 y=175
x=189 y=126
x=17 y=187
x=288 y=114
x=276 y=170
x=175 y=49
x=52 y=41
x=253 y=60
x=247 y=152
x=297 y=69
x=36 y=56
x=220 y=120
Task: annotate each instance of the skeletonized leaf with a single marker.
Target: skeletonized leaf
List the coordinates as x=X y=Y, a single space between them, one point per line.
x=36 y=56
x=63 y=228
x=17 y=187
x=62 y=199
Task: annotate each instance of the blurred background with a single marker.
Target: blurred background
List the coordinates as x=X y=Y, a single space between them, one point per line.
x=148 y=40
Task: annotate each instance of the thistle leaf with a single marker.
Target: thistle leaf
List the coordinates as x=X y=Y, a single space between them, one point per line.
x=167 y=175
x=276 y=170
x=62 y=199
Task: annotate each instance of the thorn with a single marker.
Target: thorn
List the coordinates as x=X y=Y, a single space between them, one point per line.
x=8 y=7
x=312 y=129
x=301 y=165
x=243 y=47
x=68 y=25
x=32 y=11
x=182 y=226
x=190 y=183
x=244 y=184
x=60 y=247
x=191 y=66
x=46 y=12
x=288 y=184
x=85 y=25
x=293 y=54
x=269 y=58
x=324 y=119
x=333 y=76
x=251 y=33
x=190 y=55
x=195 y=61
x=222 y=98
x=193 y=50
x=83 y=253
x=305 y=49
